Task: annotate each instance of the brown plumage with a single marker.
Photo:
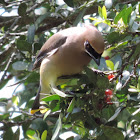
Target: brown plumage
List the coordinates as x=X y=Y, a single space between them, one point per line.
x=66 y=53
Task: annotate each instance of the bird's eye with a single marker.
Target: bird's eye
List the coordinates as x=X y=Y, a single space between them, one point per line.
x=90 y=50
x=86 y=44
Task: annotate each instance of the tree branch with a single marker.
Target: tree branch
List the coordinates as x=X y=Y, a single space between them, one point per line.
x=7 y=66
x=126 y=61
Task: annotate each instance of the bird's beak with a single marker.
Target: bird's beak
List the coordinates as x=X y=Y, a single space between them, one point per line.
x=92 y=53
x=97 y=60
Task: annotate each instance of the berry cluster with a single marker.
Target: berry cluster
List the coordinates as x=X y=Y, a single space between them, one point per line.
x=108 y=96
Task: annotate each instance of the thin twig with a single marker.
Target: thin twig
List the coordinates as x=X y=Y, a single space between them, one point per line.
x=126 y=61
x=11 y=27
x=7 y=124
x=130 y=1
x=132 y=73
x=2 y=40
x=7 y=66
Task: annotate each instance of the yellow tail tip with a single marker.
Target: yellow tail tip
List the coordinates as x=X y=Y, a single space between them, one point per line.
x=34 y=111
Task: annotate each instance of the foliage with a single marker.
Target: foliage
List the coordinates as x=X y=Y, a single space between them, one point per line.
x=79 y=109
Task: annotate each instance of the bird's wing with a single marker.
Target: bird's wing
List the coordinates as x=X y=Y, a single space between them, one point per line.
x=49 y=48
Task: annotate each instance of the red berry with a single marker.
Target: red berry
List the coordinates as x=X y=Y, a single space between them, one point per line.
x=108 y=92
x=108 y=101
x=110 y=76
x=107 y=58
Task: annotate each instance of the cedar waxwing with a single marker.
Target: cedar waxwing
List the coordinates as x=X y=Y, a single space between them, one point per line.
x=66 y=53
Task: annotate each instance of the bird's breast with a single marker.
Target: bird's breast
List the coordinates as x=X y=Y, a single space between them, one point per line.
x=69 y=61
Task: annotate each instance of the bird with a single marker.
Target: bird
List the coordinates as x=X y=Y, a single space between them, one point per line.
x=67 y=52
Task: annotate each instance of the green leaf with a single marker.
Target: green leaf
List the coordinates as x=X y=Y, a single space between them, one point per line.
x=31 y=78
x=110 y=64
x=31 y=34
x=51 y=98
x=108 y=22
x=112 y=133
x=70 y=138
x=8 y=135
x=118 y=110
x=102 y=83
x=60 y=93
x=100 y=11
x=126 y=14
x=71 y=105
x=138 y=85
x=15 y=100
x=96 y=23
x=4 y=116
x=107 y=112
x=22 y=9
x=103 y=137
x=58 y=127
x=23 y=45
x=69 y=3
x=116 y=65
x=55 y=106
x=30 y=133
x=119 y=16
x=79 y=128
x=79 y=17
x=46 y=114
x=113 y=37
x=139 y=8
x=117 y=60
x=104 y=13
x=96 y=19
x=91 y=75
x=136 y=53
x=41 y=19
x=44 y=135
x=19 y=66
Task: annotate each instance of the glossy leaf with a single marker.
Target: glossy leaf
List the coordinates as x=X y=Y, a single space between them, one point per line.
x=22 y=9
x=104 y=13
x=19 y=65
x=31 y=33
x=126 y=15
x=119 y=16
x=79 y=17
x=30 y=133
x=46 y=114
x=15 y=100
x=23 y=45
x=4 y=116
x=44 y=135
x=110 y=64
x=60 y=93
x=71 y=105
x=69 y=3
x=57 y=128
x=100 y=11
x=51 y=98
x=138 y=85
x=112 y=133
x=8 y=135
x=118 y=110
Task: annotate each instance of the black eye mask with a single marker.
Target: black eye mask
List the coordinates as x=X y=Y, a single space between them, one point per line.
x=92 y=53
